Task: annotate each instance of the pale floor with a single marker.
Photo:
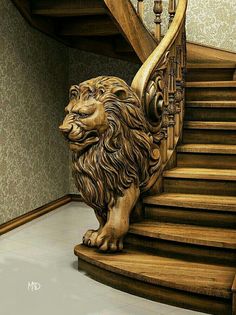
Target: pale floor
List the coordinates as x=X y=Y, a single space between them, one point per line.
x=42 y=252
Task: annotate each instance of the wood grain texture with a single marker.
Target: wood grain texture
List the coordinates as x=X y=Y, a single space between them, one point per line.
x=201 y=173
x=206 y=160
x=193 y=301
x=217 y=203
x=209 y=136
x=188 y=215
x=64 y=8
x=209 y=84
x=87 y=26
x=190 y=234
x=208 y=279
x=234 y=297
x=216 y=125
x=211 y=104
x=207 y=148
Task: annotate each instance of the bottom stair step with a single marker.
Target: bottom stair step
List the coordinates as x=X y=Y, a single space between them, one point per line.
x=199 y=286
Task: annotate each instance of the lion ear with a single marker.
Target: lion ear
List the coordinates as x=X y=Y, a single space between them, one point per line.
x=120 y=93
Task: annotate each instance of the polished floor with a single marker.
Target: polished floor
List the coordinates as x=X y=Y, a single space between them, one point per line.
x=39 y=276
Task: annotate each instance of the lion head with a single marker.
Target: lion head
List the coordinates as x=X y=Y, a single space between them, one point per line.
x=111 y=145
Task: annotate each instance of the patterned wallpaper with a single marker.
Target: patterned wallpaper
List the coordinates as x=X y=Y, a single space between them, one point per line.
x=33 y=92
x=84 y=66
x=33 y=156
x=209 y=22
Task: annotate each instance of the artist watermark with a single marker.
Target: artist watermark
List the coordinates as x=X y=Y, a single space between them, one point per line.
x=33 y=286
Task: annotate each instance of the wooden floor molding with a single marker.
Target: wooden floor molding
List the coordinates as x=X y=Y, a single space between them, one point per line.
x=34 y=214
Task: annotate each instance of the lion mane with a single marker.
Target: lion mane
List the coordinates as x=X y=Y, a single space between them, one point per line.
x=124 y=151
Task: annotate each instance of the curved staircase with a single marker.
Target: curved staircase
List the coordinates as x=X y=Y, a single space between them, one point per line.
x=182 y=250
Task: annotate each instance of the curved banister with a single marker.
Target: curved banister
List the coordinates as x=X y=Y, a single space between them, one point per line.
x=159 y=84
x=141 y=78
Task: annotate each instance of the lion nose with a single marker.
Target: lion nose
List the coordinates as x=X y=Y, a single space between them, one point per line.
x=65 y=128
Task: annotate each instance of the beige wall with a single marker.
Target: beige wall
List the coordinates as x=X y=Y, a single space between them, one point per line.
x=33 y=156
x=209 y=22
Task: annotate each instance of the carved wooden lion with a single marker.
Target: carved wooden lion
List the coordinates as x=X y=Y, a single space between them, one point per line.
x=113 y=155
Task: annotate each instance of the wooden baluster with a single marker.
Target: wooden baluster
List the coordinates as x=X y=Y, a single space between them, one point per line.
x=140 y=8
x=158 y=11
x=178 y=94
x=171 y=10
x=171 y=105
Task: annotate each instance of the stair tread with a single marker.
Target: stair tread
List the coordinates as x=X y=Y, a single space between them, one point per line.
x=216 y=125
x=208 y=279
x=201 y=173
x=210 y=84
x=207 y=148
x=219 y=65
x=195 y=201
x=211 y=104
x=186 y=233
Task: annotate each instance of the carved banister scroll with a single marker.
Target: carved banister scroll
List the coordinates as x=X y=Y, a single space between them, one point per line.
x=157 y=9
x=163 y=76
x=140 y=8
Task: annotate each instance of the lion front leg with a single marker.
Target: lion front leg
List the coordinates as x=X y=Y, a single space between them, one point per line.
x=111 y=236
x=90 y=237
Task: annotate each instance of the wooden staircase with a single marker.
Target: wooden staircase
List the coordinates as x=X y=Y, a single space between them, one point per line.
x=183 y=249
x=183 y=252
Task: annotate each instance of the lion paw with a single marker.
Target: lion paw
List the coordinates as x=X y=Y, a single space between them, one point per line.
x=90 y=238
x=109 y=242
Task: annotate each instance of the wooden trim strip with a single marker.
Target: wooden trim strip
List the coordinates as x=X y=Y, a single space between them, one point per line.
x=34 y=214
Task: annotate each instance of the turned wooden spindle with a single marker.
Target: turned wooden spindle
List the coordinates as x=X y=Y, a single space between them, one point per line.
x=171 y=105
x=157 y=9
x=140 y=8
x=171 y=10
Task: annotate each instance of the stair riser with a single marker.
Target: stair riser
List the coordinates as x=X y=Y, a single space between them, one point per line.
x=210 y=94
x=209 y=74
x=209 y=136
x=199 y=186
x=210 y=114
x=182 y=250
x=219 y=161
x=201 y=217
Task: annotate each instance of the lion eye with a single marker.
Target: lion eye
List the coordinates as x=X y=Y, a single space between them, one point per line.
x=83 y=115
x=73 y=94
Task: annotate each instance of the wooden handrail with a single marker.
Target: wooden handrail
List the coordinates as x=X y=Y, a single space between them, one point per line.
x=143 y=75
x=159 y=84
x=131 y=25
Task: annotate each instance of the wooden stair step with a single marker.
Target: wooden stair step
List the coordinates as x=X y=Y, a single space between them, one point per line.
x=211 y=84
x=204 y=279
x=214 y=125
x=211 y=104
x=64 y=8
x=201 y=173
x=87 y=26
x=210 y=91
x=226 y=65
x=207 y=148
x=195 y=201
x=185 y=233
